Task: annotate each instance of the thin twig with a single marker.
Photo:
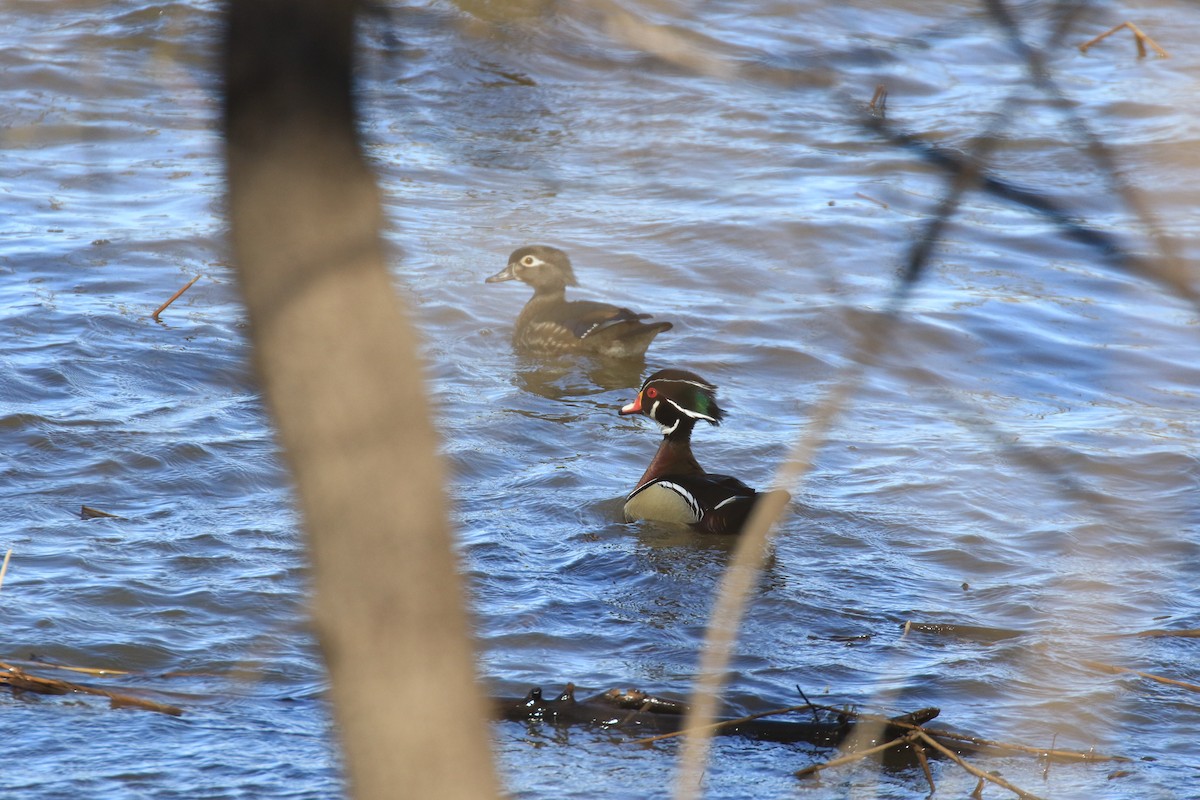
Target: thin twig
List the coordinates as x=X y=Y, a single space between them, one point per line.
x=174 y=297
x=18 y=679
x=733 y=594
x=1139 y=36
x=808 y=702
x=87 y=512
x=871 y=199
x=878 y=104
x=1191 y=633
x=1061 y=755
x=858 y=755
x=98 y=672
x=978 y=773
x=919 y=750
x=1191 y=687
x=4 y=568
x=1046 y=771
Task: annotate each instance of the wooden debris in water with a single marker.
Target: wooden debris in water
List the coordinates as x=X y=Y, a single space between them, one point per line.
x=173 y=298
x=871 y=199
x=21 y=681
x=87 y=512
x=813 y=769
x=975 y=633
x=727 y=723
x=878 y=104
x=1115 y=670
x=97 y=671
x=916 y=739
x=976 y=771
x=980 y=742
x=1191 y=633
x=919 y=750
x=1138 y=36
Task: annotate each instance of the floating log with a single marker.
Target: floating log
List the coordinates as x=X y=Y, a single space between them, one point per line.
x=636 y=712
x=21 y=681
x=974 y=633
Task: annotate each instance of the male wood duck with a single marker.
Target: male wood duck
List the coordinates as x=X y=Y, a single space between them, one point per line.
x=675 y=488
x=550 y=325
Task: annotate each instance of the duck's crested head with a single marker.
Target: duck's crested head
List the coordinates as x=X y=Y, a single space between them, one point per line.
x=539 y=266
x=670 y=396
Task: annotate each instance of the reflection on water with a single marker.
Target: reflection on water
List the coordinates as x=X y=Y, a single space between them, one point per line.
x=556 y=378
x=1022 y=457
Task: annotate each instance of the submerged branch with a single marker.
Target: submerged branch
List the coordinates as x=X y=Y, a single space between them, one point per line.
x=21 y=681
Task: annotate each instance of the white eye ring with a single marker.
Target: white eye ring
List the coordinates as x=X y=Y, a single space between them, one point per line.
x=528 y=261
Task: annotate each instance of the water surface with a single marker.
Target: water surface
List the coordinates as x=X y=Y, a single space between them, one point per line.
x=1023 y=456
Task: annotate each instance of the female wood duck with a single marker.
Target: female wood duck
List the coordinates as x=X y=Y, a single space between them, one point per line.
x=549 y=325
x=674 y=487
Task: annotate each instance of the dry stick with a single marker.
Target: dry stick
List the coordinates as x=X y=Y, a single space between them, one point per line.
x=813 y=769
x=808 y=702
x=4 y=568
x=919 y=749
x=878 y=104
x=174 y=297
x=17 y=678
x=87 y=512
x=736 y=584
x=978 y=773
x=722 y=724
x=1116 y=670
x=1191 y=633
x=1063 y=755
x=1139 y=37
x=734 y=591
x=94 y=671
x=1053 y=743
x=871 y=199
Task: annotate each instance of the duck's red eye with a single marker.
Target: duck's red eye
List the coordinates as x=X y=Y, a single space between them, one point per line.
x=652 y=393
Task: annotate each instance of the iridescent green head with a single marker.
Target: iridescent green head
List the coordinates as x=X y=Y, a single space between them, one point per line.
x=675 y=399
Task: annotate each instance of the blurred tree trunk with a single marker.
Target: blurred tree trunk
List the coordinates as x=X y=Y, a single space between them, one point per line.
x=338 y=364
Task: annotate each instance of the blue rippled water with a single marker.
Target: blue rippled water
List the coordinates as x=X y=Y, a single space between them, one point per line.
x=1023 y=454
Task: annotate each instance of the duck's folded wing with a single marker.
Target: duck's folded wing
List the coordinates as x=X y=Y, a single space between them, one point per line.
x=586 y=318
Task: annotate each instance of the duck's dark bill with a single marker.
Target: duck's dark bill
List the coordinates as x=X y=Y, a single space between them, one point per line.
x=505 y=274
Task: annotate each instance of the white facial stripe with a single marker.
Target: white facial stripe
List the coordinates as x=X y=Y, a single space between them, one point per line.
x=705 y=386
x=692 y=414
x=654 y=410
x=668 y=431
